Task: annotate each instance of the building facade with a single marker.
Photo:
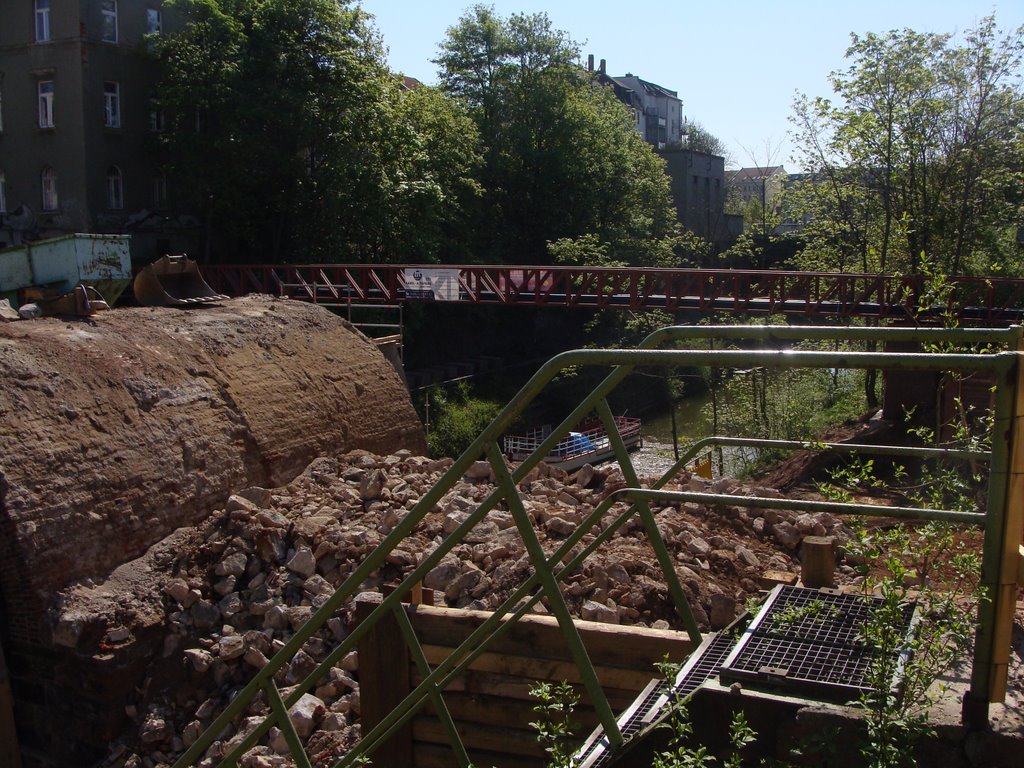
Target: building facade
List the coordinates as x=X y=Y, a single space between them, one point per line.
x=657 y=111
x=697 y=179
x=79 y=124
x=697 y=182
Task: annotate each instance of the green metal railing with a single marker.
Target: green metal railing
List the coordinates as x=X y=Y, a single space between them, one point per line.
x=549 y=569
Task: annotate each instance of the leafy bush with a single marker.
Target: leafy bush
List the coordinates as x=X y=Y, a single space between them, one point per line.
x=456 y=420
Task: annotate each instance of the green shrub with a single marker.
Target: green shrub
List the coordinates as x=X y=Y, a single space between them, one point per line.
x=456 y=420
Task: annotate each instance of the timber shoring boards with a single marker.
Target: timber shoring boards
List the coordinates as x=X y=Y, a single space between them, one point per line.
x=491 y=702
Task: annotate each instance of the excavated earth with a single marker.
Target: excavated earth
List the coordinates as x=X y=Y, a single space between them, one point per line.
x=230 y=592
x=121 y=429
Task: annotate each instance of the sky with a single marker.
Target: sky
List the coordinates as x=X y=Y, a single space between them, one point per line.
x=735 y=65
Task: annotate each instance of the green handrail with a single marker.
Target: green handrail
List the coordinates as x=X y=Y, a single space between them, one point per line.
x=548 y=571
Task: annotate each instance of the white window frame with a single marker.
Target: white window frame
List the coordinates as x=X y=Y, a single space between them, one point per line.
x=111 y=104
x=45 y=92
x=154 y=21
x=109 y=29
x=115 y=188
x=42 y=21
x=48 y=183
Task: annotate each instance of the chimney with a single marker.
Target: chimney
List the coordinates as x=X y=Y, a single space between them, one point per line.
x=602 y=67
x=590 y=62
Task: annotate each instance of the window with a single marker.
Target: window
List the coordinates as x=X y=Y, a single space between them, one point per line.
x=49 y=189
x=109 y=9
x=45 y=89
x=111 y=105
x=156 y=117
x=159 y=190
x=3 y=193
x=42 y=21
x=115 y=188
x=154 y=22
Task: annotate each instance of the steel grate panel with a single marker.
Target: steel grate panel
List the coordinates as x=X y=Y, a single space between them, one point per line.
x=811 y=641
x=699 y=668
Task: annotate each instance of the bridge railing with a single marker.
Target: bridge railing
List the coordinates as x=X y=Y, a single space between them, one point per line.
x=974 y=299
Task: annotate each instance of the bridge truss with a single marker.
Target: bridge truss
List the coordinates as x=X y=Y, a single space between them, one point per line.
x=985 y=300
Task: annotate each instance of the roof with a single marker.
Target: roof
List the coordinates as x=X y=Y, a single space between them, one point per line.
x=756 y=173
x=653 y=89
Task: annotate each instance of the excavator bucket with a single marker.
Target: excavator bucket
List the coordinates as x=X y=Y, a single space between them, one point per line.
x=173 y=281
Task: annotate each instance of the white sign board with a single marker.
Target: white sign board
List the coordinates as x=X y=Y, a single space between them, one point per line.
x=430 y=283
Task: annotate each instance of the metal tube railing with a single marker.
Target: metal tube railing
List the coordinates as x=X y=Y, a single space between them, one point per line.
x=625 y=361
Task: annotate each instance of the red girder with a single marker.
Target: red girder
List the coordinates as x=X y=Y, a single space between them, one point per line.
x=973 y=299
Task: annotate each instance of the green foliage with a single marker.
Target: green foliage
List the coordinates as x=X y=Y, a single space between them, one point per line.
x=700 y=139
x=898 y=716
x=556 y=728
x=287 y=132
x=933 y=560
x=457 y=419
x=920 y=159
x=681 y=751
x=565 y=175
x=815 y=611
x=795 y=404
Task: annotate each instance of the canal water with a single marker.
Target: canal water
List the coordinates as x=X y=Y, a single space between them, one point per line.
x=692 y=422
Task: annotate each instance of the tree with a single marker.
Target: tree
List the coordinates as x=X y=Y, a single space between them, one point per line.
x=919 y=163
x=288 y=134
x=562 y=162
x=700 y=139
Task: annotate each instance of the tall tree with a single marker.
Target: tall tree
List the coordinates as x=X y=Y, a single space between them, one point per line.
x=287 y=132
x=561 y=159
x=918 y=163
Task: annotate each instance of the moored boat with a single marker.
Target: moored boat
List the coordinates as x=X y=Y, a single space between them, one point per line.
x=588 y=444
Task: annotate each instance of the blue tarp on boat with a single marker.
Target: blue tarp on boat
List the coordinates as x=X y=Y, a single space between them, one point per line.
x=575 y=444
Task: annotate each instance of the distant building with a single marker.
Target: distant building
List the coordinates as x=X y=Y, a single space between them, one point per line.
x=78 y=119
x=763 y=184
x=657 y=111
x=697 y=179
x=698 y=189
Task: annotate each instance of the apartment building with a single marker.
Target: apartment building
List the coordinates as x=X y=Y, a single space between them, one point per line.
x=657 y=111
x=79 y=122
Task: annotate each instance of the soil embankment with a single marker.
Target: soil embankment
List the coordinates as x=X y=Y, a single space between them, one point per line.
x=120 y=429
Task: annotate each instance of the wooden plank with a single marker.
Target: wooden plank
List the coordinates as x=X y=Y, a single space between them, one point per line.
x=434 y=756
x=491 y=703
x=548 y=669
x=613 y=645
x=490 y=710
x=511 y=741
x=510 y=687
x=384 y=665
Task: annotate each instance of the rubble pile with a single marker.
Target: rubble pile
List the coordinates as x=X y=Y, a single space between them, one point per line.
x=232 y=593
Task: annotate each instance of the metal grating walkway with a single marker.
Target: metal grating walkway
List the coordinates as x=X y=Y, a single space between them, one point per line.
x=810 y=642
x=648 y=707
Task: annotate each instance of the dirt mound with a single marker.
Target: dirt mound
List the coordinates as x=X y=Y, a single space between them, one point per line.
x=120 y=429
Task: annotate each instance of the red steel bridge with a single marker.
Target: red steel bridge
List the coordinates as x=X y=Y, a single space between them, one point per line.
x=981 y=300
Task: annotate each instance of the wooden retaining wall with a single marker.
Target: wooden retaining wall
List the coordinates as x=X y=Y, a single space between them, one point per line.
x=491 y=703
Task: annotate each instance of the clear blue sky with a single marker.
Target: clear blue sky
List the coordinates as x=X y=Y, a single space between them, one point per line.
x=735 y=65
